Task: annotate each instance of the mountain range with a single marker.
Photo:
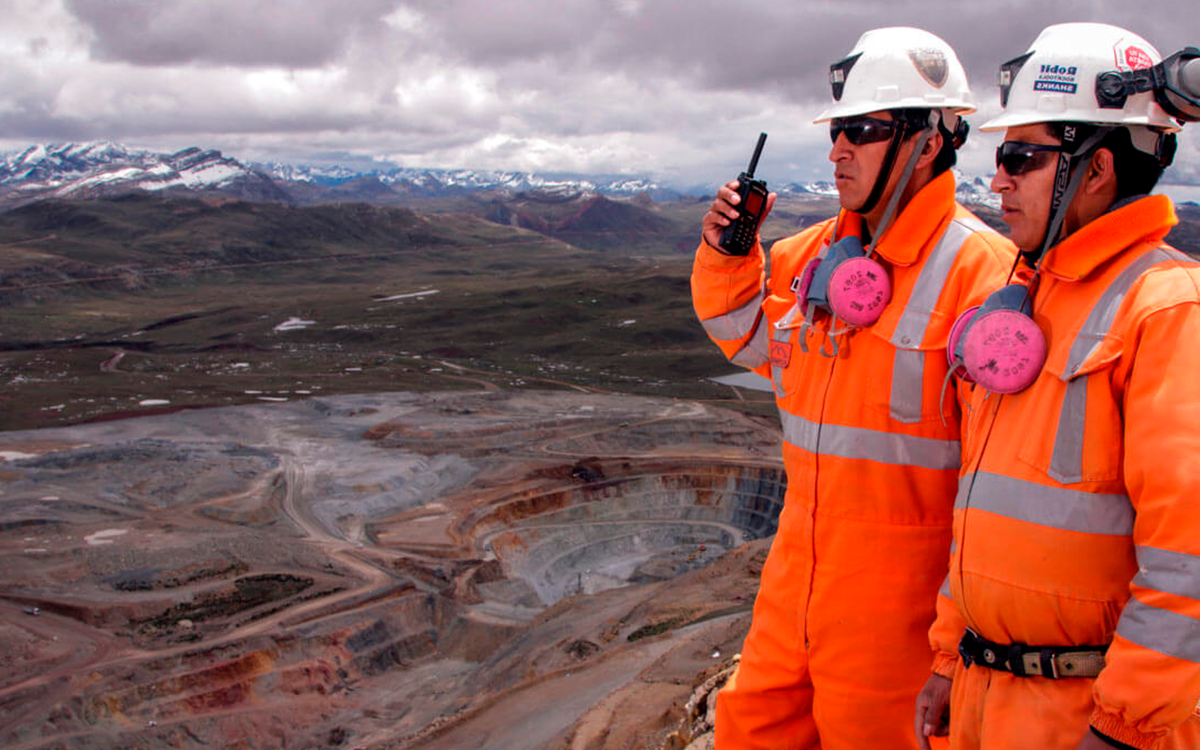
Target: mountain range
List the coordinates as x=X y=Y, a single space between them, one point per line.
x=102 y=169
x=105 y=169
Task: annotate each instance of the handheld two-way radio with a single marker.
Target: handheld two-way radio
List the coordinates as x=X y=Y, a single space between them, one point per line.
x=738 y=237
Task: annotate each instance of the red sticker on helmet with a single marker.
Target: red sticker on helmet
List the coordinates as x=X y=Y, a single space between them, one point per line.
x=1138 y=59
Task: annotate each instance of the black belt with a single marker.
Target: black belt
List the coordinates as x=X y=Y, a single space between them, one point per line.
x=1053 y=662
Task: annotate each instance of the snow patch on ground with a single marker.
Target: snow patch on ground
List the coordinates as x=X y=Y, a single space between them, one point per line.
x=410 y=294
x=292 y=324
x=153 y=402
x=104 y=537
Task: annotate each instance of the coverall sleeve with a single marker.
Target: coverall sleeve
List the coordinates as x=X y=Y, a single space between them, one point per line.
x=728 y=293
x=1151 y=681
x=983 y=269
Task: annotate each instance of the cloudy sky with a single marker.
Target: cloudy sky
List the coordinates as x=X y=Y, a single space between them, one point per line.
x=674 y=89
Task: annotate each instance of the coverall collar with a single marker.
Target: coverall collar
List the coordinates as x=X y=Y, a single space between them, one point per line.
x=1146 y=220
x=902 y=242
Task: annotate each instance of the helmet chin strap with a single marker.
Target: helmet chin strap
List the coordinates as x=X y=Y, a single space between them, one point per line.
x=1068 y=176
x=927 y=132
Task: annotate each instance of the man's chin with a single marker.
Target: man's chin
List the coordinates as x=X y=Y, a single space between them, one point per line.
x=849 y=202
x=1027 y=244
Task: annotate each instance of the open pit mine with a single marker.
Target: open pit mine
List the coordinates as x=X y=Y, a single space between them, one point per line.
x=469 y=570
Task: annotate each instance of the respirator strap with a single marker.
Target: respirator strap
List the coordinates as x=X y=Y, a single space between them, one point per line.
x=927 y=132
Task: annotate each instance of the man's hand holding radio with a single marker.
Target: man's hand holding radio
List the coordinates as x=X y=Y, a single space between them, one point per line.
x=723 y=212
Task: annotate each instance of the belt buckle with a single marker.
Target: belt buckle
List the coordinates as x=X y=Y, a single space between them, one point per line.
x=1049 y=664
x=964 y=653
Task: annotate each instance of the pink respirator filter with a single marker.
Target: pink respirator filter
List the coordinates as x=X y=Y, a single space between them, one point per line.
x=1004 y=351
x=859 y=290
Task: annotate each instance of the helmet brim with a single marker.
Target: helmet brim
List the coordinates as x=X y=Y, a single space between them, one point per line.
x=1016 y=119
x=855 y=109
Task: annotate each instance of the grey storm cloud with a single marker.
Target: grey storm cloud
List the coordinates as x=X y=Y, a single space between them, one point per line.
x=674 y=88
x=290 y=33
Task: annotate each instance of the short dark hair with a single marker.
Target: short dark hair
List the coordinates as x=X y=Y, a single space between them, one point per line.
x=1137 y=171
x=917 y=118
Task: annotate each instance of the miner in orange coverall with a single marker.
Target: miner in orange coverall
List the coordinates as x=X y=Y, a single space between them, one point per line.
x=850 y=325
x=1076 y=564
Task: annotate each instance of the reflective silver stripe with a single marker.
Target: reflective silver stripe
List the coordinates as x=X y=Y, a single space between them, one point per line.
x=908 y=369
x=869 y=445
x=756 y=352
x=1168 y=571
x=1160 y=630
x=1101 y=318
x=1056 y=507
x=1066 y=464
x=910 y=329
x=945 y=589
x=735 y=324
x=908 y=377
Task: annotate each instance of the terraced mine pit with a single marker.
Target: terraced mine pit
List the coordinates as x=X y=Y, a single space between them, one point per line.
x=650 y=524
x=508 y=570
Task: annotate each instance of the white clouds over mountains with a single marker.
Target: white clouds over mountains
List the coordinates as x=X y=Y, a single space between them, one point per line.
x=676 y=89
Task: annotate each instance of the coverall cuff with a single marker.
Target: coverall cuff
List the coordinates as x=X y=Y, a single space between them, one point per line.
x=710 y=257
x=1111 y=726
x=1111 y=741
x=944 y=664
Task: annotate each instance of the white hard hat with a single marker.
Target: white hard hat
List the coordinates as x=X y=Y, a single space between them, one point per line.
x=1056 y=80
x=898 y=68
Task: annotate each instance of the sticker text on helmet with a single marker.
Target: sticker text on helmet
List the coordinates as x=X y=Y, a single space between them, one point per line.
x=1058 y=78
x=1131 y=57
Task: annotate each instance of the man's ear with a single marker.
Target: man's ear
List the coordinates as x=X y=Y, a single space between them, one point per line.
x=933 y=147
x=1101 y=173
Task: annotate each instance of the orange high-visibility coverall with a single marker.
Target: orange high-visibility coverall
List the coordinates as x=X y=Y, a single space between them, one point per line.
x=1077 y=521
x=837 y=649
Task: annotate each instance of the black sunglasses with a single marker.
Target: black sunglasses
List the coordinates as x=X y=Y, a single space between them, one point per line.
x=862 y=129
x=1018 y=158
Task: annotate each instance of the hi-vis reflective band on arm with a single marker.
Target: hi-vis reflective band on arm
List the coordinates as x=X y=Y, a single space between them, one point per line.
x=735 y=325
x=1167 y=632
x=945 y=589
x=1160 y=630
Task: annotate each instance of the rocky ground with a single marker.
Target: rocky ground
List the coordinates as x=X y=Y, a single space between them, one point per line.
x=478 y=569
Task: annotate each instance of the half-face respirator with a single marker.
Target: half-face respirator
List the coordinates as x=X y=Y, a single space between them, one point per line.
x=997 y=344
x=846 y=283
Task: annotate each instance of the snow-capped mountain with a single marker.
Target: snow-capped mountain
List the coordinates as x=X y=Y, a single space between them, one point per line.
x=461 y=180
x=975 y=191
x=820 y=188
x=95 y=169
